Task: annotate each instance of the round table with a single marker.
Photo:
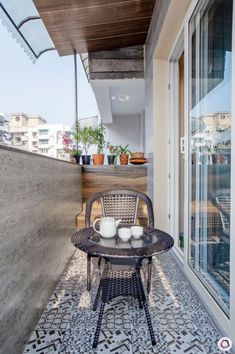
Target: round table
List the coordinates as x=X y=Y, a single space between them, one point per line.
x=123 y=260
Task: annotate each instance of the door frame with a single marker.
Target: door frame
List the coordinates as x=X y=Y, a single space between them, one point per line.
x=174 y=208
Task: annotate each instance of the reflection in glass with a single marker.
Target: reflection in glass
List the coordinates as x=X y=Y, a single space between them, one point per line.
x=210 y=146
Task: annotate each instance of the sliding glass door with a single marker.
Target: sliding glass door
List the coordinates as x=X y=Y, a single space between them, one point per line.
x=210 y=52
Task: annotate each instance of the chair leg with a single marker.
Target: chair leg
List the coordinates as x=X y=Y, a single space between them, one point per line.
x=88 y=272
x=105 y=284
x=149 y=322
x=138 y=288
x=97 y=332
x=149 y=275
x=145 y=305
x=97 y=296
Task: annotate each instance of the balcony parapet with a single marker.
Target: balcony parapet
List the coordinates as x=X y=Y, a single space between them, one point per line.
x=40 y=198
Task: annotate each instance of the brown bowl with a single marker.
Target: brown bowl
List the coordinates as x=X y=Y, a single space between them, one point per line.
x=137 y=155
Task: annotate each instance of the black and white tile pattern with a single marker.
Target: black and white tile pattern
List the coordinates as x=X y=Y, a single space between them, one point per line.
x=180 y=322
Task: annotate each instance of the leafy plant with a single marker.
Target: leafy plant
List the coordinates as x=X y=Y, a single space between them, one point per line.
x=83 y=135
x=99 y=138
x=123 y=150
x=112 y=148
x=76 y=152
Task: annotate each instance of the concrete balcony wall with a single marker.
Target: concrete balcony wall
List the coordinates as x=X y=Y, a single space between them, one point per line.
x=40 y=198
x=123 y=63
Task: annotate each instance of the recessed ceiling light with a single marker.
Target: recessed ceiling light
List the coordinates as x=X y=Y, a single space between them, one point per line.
x=113 y=98
x=123 y=98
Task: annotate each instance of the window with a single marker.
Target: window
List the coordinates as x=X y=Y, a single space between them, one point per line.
x=43 y=151
x=43 y=131
x=43 y=141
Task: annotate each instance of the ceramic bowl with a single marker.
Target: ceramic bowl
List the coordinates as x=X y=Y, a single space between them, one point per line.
x=137 y=155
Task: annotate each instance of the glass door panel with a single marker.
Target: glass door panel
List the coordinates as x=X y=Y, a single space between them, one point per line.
x=210 y=145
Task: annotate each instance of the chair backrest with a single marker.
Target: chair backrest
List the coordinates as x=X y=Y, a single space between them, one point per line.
x=120 y=204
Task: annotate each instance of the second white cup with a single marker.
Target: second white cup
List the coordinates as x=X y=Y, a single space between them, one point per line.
x=137 y=231
x=124 y=233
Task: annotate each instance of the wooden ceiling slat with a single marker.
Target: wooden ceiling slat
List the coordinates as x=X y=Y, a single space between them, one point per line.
x=103 y=44
x=99 y=30
x=93 y=25
x=82 y=17
x=61 y=5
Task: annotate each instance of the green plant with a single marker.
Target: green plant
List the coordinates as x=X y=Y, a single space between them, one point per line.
x=76 y=152
x=83 y=135
x=112 y=148
x=123 y=150
x=99 y=138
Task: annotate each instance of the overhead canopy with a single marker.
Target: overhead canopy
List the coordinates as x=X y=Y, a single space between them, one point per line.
x=23 y=20
x=95 y=25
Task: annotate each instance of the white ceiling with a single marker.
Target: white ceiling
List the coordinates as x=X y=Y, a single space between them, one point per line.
x=119 y=97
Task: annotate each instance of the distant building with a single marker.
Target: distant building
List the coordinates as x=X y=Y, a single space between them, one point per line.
x=18 y=127
x=5 y=135
x=89 y=121
x=32 y=133
x=217 y=122
x=214 y=131
x=47 y=139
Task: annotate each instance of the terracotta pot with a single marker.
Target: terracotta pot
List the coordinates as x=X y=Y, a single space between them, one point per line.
x=98 y=159
x=124 y=159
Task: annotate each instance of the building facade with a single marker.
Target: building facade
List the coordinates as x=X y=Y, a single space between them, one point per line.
x=32 y=133
x=47 y=139
x=5 y=135
x=18 y=127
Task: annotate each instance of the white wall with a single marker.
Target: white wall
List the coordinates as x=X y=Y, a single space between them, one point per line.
x=125 y=130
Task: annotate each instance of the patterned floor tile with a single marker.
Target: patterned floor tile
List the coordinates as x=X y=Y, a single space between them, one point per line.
x=44 y=342
x=181 y=324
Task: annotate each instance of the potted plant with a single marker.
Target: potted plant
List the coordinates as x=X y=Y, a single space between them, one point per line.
x=123 y=153
x=99 y=141
x=85 y=137
x=112 y=150
x=76 y=153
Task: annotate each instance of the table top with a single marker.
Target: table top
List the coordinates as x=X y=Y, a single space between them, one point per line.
x=152 y=242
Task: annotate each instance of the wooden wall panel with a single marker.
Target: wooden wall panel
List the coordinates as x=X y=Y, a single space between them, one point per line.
x=99 y=178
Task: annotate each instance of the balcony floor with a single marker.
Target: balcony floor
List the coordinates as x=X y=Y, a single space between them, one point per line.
x=180 y=321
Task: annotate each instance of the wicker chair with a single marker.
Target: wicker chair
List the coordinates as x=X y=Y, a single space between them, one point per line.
x=119 y=204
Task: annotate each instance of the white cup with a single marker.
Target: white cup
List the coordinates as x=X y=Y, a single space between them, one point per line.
x=137 y=231
x=124 y=233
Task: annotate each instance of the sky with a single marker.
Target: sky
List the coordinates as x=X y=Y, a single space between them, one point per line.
x=45 y=88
